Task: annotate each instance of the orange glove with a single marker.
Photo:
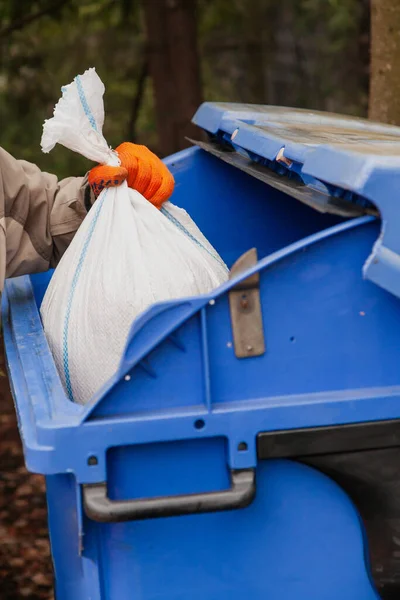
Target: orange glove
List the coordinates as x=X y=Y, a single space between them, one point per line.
x=142 y=169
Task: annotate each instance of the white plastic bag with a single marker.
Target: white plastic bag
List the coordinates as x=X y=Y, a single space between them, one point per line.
x=126 y=255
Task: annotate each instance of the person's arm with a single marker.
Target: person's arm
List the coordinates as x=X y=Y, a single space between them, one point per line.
x=39 y=216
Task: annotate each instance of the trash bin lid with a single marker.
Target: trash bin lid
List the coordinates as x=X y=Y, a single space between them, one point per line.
x=335 y=163
x=265 y=130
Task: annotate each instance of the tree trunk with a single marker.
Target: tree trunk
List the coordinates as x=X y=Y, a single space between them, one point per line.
x=138 y=99
x=174 y=68
x=253 y=32
x=384 y=100
x=258 y=21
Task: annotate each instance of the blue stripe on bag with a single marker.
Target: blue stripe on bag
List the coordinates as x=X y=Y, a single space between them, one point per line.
x=84 y=103
x=75 y=279
x=182 y=228
x=67 y=374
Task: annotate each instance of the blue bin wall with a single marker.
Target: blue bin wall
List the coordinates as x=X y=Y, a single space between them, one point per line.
x=234 y=211
x=301 y=538
x=327 y=331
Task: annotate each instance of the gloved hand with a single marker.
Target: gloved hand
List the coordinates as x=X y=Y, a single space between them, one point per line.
x=142 y=169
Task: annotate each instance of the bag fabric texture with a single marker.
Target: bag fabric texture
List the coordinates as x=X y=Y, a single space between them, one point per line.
x=125 y=256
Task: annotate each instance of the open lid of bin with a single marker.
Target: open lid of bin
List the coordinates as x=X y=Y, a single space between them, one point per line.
x=339 y=164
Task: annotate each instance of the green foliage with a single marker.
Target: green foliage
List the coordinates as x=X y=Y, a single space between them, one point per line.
x=340 y=35
x=46 y=54
x=295 y=52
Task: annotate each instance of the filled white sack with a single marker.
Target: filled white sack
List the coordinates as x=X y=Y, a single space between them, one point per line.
x=126 y=255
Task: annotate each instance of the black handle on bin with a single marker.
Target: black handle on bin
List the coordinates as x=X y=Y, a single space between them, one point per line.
x=99 y=507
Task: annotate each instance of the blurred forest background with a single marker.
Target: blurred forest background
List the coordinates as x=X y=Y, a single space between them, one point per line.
x=160 y=58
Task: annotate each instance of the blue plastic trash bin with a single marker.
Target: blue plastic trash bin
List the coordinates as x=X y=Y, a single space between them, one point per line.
x=248 y=445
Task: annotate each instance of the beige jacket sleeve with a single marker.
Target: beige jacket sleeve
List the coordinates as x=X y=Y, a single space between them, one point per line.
x=39 y=216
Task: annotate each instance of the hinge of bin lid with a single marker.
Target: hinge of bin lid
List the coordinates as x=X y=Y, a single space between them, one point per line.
x=245 y=308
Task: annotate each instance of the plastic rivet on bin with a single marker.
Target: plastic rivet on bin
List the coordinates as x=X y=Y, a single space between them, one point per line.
x=280 y=157
x=212 y=302
x=127 y=377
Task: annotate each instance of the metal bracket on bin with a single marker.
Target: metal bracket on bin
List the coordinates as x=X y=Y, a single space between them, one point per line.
x=245 y=307
x=99 y=507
